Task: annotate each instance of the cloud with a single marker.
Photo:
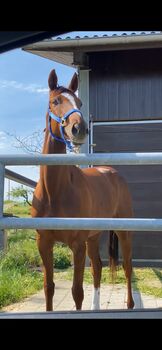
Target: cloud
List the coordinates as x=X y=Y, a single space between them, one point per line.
x=2 y=135
x=4 y=141
x=31 y=88
x=2 y=145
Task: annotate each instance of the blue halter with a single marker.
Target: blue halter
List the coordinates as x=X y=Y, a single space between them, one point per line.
x=61 y=125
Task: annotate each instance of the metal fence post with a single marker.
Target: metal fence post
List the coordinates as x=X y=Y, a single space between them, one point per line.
x=3 y=239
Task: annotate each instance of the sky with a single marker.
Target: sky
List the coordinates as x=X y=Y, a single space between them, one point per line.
x=24 y=98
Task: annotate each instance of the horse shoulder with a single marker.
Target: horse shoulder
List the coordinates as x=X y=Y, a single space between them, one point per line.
x=38 y=202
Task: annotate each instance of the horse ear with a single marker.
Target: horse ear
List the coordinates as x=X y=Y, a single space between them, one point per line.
x=52 y=80
x=74 y=83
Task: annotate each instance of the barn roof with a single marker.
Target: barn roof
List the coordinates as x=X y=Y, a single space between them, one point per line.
x=71 y=51
x=11 y=39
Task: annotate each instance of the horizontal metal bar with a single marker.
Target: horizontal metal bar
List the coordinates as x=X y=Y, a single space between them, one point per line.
x=84 y=159
x=148 y=260
x=11 y=175
x=127 y=122
x=151 y=313
x=82 y=224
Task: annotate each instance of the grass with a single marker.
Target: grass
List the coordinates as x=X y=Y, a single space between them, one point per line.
x=17 y=284
x=19 y=275
x=17 y=208
x=145 y=280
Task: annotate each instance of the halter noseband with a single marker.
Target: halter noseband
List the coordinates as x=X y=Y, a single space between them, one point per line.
x=61 y=125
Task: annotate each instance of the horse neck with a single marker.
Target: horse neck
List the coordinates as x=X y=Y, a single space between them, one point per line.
x=54 y=177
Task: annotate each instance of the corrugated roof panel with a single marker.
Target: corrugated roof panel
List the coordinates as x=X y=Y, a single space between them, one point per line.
x=105 y=35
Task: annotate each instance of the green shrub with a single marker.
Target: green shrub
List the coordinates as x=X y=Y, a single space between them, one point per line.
x=14 y=236
x=23 y=254
x=16 y=285
x=62 y=257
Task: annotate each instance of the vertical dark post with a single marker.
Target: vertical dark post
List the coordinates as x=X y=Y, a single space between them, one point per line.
x=2 y=232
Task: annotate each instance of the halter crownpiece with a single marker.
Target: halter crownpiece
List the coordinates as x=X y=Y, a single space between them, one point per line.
x=61 y=125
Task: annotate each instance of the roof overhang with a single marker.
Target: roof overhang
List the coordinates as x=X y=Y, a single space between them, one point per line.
x=72 y=52
x=11 y=40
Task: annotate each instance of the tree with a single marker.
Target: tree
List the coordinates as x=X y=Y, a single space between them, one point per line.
x=30 y=144
x=33 y=143
x=19 y=192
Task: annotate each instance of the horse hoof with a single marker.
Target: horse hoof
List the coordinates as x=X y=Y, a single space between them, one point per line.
x=130 y=305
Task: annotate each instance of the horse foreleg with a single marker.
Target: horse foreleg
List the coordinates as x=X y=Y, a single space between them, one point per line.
x=45 y=247
x=126 y=247
x=96 y=270
x=79 y=253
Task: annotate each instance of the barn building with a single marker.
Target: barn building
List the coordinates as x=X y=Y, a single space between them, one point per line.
x=121 y=89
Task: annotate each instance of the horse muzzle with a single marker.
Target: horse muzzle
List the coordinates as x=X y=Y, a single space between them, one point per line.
x=79 y=132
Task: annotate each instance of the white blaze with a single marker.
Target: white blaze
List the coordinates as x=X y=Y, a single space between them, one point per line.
x=71 y=99
x=95 y=299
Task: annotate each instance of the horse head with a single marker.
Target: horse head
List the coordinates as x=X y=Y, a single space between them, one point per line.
x=66 y=122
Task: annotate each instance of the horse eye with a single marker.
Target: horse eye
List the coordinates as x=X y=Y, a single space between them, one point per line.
x=56 y=102
x=79 y=103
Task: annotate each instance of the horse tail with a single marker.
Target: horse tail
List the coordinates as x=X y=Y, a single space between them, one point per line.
x=113 y=253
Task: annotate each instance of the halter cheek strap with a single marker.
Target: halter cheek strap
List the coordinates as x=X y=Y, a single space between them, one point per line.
x=61 y=125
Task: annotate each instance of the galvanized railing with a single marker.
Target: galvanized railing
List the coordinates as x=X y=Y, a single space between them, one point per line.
x=11 y=175
x=145 y=224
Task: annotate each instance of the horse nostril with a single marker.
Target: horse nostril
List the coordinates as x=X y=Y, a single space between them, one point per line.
x=75 y=129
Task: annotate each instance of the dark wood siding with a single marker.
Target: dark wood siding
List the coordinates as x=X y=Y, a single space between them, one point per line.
x=128 y=138
x=145 y=182
x=126 y=85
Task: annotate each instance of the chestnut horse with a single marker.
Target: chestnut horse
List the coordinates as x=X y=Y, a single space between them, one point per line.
x=68 y=191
